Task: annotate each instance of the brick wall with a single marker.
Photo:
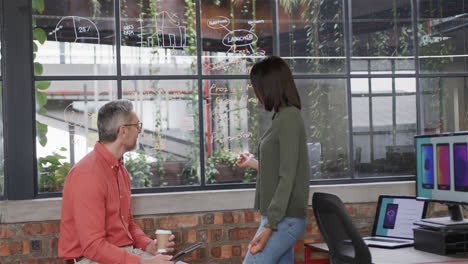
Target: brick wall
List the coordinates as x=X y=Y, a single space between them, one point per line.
x=225 y=235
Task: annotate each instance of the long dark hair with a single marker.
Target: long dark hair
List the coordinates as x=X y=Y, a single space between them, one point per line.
x=273 y=84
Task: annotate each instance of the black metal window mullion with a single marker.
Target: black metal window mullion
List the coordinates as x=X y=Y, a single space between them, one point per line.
x=200 y=92
x=414 y=17
x=18 y=101
x=394 y=128
x=117 y=47
x=371 y=120
x=347 y=25
x=275 y=36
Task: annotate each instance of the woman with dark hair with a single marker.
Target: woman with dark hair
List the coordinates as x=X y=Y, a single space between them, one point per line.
x=283 y=169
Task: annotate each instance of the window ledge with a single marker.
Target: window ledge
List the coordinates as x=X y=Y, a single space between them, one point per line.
x=200 y=201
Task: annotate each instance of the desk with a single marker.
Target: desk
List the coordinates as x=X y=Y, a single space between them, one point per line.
x=399 y=255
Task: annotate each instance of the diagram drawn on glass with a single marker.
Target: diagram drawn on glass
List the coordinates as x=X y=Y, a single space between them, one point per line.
x=238 y=37
x=166 y=32
x=83 y=30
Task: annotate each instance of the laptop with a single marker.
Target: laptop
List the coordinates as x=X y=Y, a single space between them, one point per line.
x=394 y=221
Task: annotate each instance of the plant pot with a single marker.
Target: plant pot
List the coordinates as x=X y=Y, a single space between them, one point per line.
x=228 y=174
x=172 y=174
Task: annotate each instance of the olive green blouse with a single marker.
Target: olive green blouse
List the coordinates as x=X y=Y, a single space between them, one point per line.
x=283 y=173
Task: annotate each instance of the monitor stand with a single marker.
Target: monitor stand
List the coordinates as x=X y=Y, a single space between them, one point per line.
x=455 y=218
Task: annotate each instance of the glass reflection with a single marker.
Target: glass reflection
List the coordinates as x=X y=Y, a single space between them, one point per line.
x=66 y=127
x=384 y=123
x=75 y=38
x=311 y=35
x=233 y=123
x=168 y=148
x=158 y=37
x=325 y=113
x=234 y=35
x=442 y=35
x=382 y=36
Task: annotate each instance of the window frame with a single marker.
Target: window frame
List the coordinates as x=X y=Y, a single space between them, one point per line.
x=19 y=104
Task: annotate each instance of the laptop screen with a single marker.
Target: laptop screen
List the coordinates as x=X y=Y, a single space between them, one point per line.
x=396 y=215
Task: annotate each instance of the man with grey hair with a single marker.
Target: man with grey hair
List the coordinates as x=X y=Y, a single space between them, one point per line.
x=97 y=224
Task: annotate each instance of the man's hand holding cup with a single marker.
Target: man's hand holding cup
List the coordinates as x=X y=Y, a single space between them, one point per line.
x=164 y=243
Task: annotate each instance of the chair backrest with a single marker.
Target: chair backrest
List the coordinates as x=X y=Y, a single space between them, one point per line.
x=344 y=242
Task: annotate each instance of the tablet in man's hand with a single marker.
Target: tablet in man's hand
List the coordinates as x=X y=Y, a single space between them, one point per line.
x=185 y=251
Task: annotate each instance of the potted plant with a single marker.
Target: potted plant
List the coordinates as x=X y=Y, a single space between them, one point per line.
x=221 y=168
x=138 y=168
x=53 y=172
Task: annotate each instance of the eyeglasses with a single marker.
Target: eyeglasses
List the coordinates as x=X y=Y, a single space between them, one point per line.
x=139 y=125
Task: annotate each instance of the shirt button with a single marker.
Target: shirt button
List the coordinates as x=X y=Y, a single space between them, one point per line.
x=121 y=196
x=122 y=216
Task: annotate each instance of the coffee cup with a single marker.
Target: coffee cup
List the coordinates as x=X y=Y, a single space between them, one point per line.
x=162 y=238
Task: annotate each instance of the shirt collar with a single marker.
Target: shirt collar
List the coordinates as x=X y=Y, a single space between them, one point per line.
x=111 y=161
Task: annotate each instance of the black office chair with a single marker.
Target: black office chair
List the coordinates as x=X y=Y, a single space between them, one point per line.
x=344 y=242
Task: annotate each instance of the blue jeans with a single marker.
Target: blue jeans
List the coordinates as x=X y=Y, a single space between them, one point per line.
x=279 y=248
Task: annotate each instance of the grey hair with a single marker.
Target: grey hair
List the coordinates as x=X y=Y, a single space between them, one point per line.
x=111 y=116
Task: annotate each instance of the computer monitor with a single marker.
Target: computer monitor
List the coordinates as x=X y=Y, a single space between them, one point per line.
x=442 y=173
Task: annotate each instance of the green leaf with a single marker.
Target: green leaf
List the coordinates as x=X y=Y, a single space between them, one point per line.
x=38 y=5
x=41 y=133
x=35 y=48
x=41 y=98
x=42 y=85
x=39 y=35
x=38 y=69
x=42 y=111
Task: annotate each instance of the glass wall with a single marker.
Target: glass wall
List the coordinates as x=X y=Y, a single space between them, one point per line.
x=371 y=75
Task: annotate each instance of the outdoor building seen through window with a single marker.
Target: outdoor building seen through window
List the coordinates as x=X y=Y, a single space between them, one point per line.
x=187 y=77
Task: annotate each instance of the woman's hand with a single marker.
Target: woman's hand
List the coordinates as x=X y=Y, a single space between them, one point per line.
x=259 y=242
x=247 y=160
x=152 y=247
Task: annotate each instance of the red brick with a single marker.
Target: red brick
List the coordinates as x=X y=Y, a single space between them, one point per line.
x=215 y=252
x=226 y=251
x=191 y=236
x=248 y=217
x=26 y=247
x=179 y=221
x=218 y=219
x=16 y=248
x=6 y=232
x=4 y=250
x=53 y=244
x=366 y=210
x=228 y=218
x=50 y=228
x=312 y=229
x=214 y=235
x=236 y=251
x=149 y=224
x=208 y=219
x=32 y=261
x=242 y=233
x=299 y=246
x=32 y=229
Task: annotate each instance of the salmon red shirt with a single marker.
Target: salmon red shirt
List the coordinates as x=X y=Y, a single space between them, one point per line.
x=97 y=211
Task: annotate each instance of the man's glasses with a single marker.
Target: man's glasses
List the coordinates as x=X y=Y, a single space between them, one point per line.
x=139 y=125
